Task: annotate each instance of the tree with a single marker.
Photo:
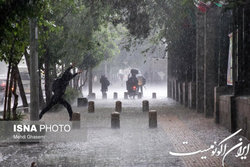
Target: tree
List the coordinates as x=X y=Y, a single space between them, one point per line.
x=73 y=32
x=13 y=41
x=11 y=51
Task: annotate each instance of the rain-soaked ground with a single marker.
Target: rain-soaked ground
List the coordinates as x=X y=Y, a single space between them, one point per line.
x=134 y=144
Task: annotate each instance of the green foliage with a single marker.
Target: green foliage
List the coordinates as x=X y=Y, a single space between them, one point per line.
x=71 y=94
x=20 y=116
x=231 y=4
x=14 y=27
x=133 y=14
x=15 y=42
x=81 y=32
x=16 y=11
x=77 y=32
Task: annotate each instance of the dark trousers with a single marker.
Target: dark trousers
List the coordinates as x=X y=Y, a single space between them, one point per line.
x=54 y=100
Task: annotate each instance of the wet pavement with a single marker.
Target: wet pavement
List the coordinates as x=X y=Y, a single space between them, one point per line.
x=134 y=144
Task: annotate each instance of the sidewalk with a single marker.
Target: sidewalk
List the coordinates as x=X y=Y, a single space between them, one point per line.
x=134 y=144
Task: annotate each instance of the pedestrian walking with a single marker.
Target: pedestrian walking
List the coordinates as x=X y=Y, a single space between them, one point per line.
x=104 y=84
x=141 y=82
x=58 y=88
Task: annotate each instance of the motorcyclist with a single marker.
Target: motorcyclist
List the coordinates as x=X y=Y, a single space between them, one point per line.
x=132 y=83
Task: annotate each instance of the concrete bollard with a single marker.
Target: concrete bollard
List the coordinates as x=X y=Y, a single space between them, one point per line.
x=104 y=95
x=145 y=106
x=33 y=164
x=154 y=95
x=152 y=117
x=139 y=95
x=125 y=95
x=118 y=106
x=115 y=95
x=82 y=102
x=76 y=120
x=91 y=107
x=115 y=120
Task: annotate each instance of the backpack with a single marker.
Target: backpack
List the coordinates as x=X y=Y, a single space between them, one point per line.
x=141 y=80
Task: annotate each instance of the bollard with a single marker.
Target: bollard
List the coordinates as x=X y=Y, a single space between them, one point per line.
x=104 y=95
x=152 y=117
x=76 y=116
x=125 y=95
x=82 y=102
x=115 y=120
x=118 y=106
x=154 y=95
x=33 y=164
x=145 y=106
x=115 y=95
x=76 y=120
x=91 y=107
x=92 y=96
x=139 y=95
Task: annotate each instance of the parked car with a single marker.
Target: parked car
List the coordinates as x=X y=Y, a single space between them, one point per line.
x=2 y=90
x=2 y=84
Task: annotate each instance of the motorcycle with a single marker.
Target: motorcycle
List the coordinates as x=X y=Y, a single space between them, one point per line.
x=133 y=90
x=132 y=84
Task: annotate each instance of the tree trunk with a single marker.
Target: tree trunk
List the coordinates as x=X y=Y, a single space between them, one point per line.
x=7 y=81
x=54 y=73
x=81 y=78
x=21 y=89
x=75 y=80
x=200 y=32
x=90 y=81
x=6 y=92
x=27 y=58
x=14 y=72
x=63 y=67
x=210 y=59
x=47 y=77
x=10 y=95
x=41 y=99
